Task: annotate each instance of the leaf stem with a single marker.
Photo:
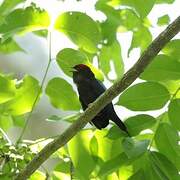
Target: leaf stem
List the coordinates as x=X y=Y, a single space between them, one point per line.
x=5 y=136
x=40 y=89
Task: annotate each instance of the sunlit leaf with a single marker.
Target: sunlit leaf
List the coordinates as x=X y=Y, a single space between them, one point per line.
x=174 y=113
x=24 y=98
x=38 y=175
x=143 y=11
x=24 y=20
x=41 y=33
x=162 y=68
x=136 y=124
x=111 y=55
x=144 y=96
x=113 y=164
x=138 y=41
x=163 y=20
x=172 y=49
x=62 y=95
x=7 y=89
x=62 y=171
x=166 y=139
x=121 y=20
x=172 y=86
x=78 y=148
x=80 y=28
x=67 y=58
x=9 y=46
x=6 y=122
x=8 y=5
x=164 y=1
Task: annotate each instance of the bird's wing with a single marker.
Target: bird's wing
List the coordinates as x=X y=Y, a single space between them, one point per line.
x=84 y=106
x=98 y=87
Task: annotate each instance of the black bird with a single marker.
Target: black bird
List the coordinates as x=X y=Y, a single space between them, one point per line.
x=89 y=89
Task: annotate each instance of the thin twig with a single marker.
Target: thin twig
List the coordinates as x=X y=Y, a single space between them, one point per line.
x=39 y=91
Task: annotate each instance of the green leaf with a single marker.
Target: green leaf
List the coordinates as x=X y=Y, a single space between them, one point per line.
x=142 y=10
x=24 y=98
x=8 y=5
x=144 y=96
x=107 y=148
x=78 y=148
x=113 y=164
x=164 y=164
x=164 y=1
x=62 y=171
x=174 y=113
x=38 y=175
x=24 y=20
x=166 y=139
x=134 y=149
x=18 y=121
x=172 y=49
x=41 y=33
x=67 y=58
x=115 y=133
x=6 y=122
x=163 y=20
x=9 y=46
x=172 y=86
x=121 y=20
x=162 y=68
x=62 y=95
x=137 y=175
x=81 y=29
x=69 y=118
x=138 y=123
x=138 y=41
x=7 y=90
x=111 y=55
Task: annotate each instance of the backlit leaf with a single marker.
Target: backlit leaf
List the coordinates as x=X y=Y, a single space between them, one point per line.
x=24 y=20
x=136 y=124
x=7 y=89
x=144 y=96
x=166 y=139
x=162 y=68
x=163 y=20
x=111 y=55
x=9 y=46
x=80 y=28
x=24 y=98
x=174 y=113
x=62 y=95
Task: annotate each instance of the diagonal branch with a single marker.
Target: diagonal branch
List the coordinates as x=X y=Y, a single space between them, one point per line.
x=128 y=78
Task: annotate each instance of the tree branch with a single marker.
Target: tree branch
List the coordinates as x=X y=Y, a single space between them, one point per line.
x=128 y=78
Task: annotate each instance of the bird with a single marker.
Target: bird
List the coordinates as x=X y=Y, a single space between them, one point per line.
x=89 y=89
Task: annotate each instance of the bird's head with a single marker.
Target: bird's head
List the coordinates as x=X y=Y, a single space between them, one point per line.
x=82 y=72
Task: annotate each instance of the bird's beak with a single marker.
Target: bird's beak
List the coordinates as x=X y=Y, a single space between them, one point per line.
x=73 y=70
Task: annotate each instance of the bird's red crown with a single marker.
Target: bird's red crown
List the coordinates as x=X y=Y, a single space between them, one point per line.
x=81 y=66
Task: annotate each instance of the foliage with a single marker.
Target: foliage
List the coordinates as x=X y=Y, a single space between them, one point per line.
x=152 y=152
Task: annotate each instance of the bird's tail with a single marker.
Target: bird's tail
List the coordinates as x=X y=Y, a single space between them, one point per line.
x=119 y=123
